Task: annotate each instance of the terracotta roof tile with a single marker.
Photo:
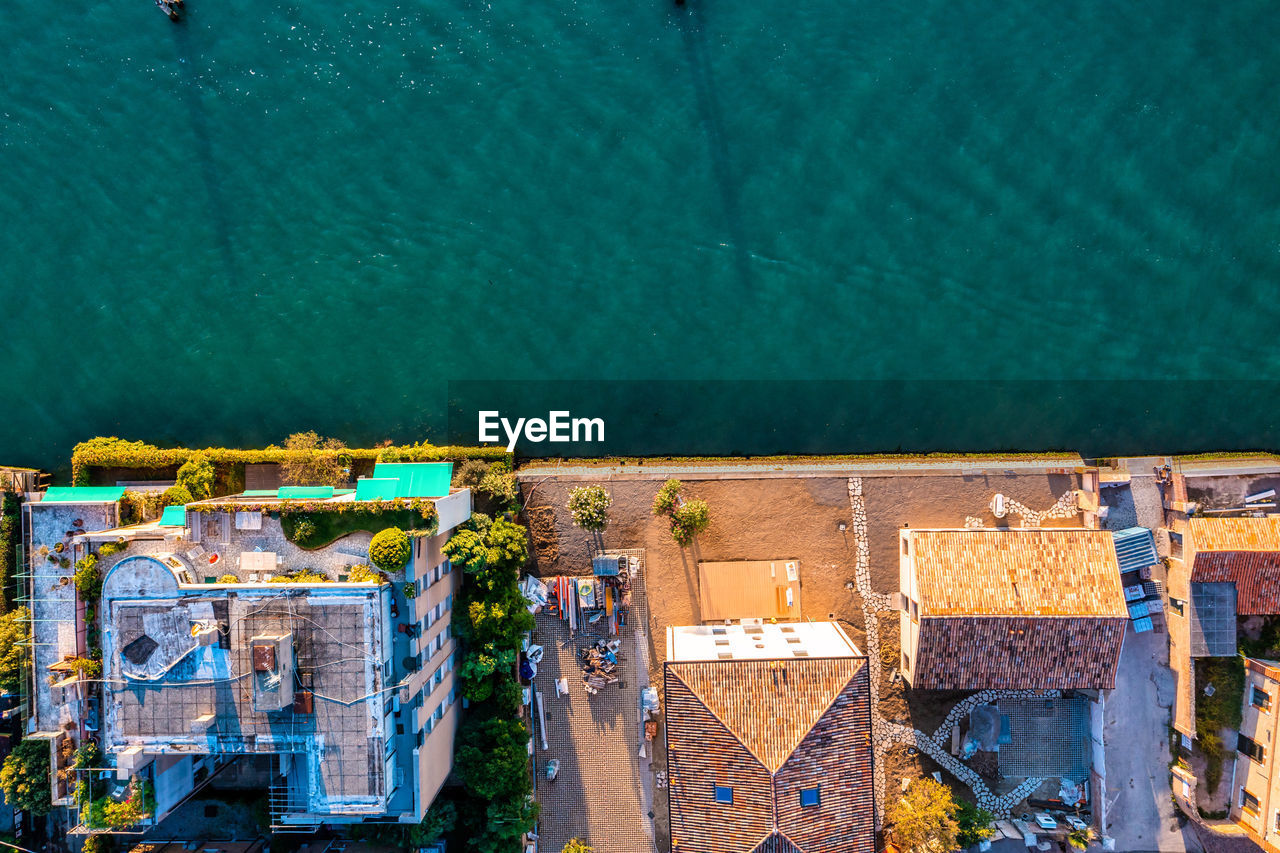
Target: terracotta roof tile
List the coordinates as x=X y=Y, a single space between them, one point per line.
x=1020 y=653
x=1017 y=573
x=768 y=705
x=1256 y=575
x=815 y=722
x=1236 y=534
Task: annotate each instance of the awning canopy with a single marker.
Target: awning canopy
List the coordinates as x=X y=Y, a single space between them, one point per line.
x=82 y=494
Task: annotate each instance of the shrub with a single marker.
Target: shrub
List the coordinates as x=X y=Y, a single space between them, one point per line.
x=664 y=503
x=196 y=476
x=98 y=844
x=304 y=576
x=86 y=667
x=389 y=549
x=316 y=461
x=470 y=474
x=10 y=530
x=88 y=756
x=439 y=820
x=410 y=591
x=113 y=452
x=24 y=777
x=974 y=824
x=577 y=845
x=589 y=506
x=109 y=548
x=364 y=574
x=176 y=496
x=303 y=531
x=479 y=522
x=88 y=582
x=500 y=484
x=689 y=519
x=228 y=579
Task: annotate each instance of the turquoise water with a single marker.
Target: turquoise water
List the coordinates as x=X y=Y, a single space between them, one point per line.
x=288 y=215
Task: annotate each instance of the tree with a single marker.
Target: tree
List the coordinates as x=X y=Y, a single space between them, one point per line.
x=664 y=503
x=508 y=545
x=389 y=549
x=470 y=474
x=590 y=508
x=24 y=778
x=467 y=550
x=689 y=519
x=196 y=476
x=15 y=636
x=315 y=461
x=492 y=759
x=924 y=817
x=577 y=845
x=439 y=820
x=974 y=824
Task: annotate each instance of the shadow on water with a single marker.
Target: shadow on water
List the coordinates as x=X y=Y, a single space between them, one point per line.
x=689 y=18
x=203 y=151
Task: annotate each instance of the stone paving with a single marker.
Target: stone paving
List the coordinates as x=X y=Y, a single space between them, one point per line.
x=885 y=733
x=603 y=792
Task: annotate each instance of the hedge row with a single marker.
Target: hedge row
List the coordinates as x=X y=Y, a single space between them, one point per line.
x=425 y=506
x=118 y=453
x=1054 y=457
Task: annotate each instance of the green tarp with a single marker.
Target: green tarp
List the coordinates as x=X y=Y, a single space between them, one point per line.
x=174 y=516
x=309 y=493
x=368 y=489
x=83 y=494
x=416 y=479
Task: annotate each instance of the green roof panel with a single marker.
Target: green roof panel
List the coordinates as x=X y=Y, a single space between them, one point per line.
x=83 y=494
x=174 y=516
x=307 y=493
x=417 y=479
x=259 y=493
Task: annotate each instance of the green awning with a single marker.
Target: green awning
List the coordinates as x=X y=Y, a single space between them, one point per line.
x=369 y=489
x=416 y=479
x=305 y=493
x=259 y=493
x=83 y=494
x=174 y=516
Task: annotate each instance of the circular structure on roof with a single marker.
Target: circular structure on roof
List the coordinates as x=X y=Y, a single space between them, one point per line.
x=140 y=576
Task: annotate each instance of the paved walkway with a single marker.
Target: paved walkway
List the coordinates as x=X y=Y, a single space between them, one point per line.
x=603 y=793
x=867 y=466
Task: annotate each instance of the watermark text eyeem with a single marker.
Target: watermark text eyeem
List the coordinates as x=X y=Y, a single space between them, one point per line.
x=557 y=428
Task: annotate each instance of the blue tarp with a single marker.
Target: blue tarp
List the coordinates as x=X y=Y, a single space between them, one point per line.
x=1135 y=548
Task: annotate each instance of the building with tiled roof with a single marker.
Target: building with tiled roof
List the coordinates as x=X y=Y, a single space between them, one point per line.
x=1226 y=567
x=768 y=740
x=1010 y=609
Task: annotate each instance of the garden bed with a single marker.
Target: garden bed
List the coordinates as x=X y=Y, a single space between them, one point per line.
x=329 y=527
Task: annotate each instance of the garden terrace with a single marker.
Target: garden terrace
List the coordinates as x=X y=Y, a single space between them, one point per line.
x=110 y=459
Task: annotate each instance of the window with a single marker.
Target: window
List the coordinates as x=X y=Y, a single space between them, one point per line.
x=724 y=794
x=1260 y=699
x=906 y=662
x=915 y=610
x=1248 y=801
x=1177 y=605
x=906 y=547
x=810 y=797
x=1249 y=747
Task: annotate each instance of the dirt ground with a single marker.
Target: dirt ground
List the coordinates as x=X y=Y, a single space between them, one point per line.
x=790 y=518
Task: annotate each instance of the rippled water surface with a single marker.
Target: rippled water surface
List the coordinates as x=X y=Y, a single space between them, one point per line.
x=283 y=215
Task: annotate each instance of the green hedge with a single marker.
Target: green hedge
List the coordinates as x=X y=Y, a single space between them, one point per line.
x=10 y=531
x=111 y=452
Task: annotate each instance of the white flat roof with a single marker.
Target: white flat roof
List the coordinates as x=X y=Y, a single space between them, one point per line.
x=758 y=642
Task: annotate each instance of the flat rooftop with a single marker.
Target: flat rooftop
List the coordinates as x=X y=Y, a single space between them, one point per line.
x=749 y=589
x=758 y=642
x=172 y=690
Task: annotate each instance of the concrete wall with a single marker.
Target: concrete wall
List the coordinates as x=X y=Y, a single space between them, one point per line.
x=454 y=509
x=908 y=624
x=174 y=779
x=1259 y=778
